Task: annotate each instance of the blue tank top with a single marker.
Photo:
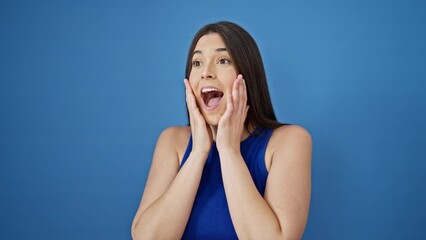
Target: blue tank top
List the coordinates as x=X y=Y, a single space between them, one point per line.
x=210 y=217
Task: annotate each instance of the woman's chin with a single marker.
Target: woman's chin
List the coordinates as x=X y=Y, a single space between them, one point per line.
x=212 y=120
x=212 y=117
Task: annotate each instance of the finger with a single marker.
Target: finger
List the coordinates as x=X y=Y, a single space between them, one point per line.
x=229 y=108
x=242 y=96
x=241 y=89
x=190 y=95
x=244 y=92
x=235 y=93
x=188 y=102
x=185 y=82
x=194 y=111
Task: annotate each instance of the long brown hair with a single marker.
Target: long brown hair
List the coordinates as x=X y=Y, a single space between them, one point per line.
x=247 y=59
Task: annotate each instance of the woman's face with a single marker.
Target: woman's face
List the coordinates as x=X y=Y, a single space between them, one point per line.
x=212 y=76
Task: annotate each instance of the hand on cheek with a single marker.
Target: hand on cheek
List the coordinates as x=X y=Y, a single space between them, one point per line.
x=201 y=133
x=231 y=124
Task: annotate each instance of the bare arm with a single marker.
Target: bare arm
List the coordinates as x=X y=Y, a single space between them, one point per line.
x=283 y=212
x=169 y=193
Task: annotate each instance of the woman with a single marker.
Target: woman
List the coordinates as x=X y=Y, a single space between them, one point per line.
x=234 y=172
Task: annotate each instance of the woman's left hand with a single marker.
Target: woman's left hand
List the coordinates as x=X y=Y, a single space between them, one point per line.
x=231 y=124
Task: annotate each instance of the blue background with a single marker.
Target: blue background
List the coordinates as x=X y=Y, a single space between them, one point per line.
x=87 y=86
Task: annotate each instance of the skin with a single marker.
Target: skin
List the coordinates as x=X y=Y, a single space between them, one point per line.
x=169 y=193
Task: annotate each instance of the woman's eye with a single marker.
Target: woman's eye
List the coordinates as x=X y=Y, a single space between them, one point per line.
x=224 y=61
x=196 y=63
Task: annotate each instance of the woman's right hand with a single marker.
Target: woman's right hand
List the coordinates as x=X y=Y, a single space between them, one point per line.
x=202 y=139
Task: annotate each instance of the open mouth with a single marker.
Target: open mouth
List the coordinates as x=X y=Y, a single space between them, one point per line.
x=211 y=96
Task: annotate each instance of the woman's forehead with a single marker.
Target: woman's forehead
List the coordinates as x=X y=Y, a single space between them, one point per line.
x=210 y=41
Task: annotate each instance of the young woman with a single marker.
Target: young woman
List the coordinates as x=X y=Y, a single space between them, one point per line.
x=234 y=172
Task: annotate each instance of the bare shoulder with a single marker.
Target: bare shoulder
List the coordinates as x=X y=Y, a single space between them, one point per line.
x=294 y=133
x=175 y=137
x=176 y=133
x=290 y=139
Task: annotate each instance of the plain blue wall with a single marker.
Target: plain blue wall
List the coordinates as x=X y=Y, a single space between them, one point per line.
x=87 y=86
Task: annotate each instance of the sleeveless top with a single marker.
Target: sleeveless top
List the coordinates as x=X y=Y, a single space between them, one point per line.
x=210 y=217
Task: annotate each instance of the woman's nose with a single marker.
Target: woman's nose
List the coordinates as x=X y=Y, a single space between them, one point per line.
x=208 y=72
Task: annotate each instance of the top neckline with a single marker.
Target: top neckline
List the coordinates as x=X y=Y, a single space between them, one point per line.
x=253 y=134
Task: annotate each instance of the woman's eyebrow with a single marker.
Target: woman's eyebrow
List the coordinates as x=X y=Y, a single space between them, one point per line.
x=217 y=50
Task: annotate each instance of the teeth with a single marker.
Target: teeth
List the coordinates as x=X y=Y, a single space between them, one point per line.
x=205 y=90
